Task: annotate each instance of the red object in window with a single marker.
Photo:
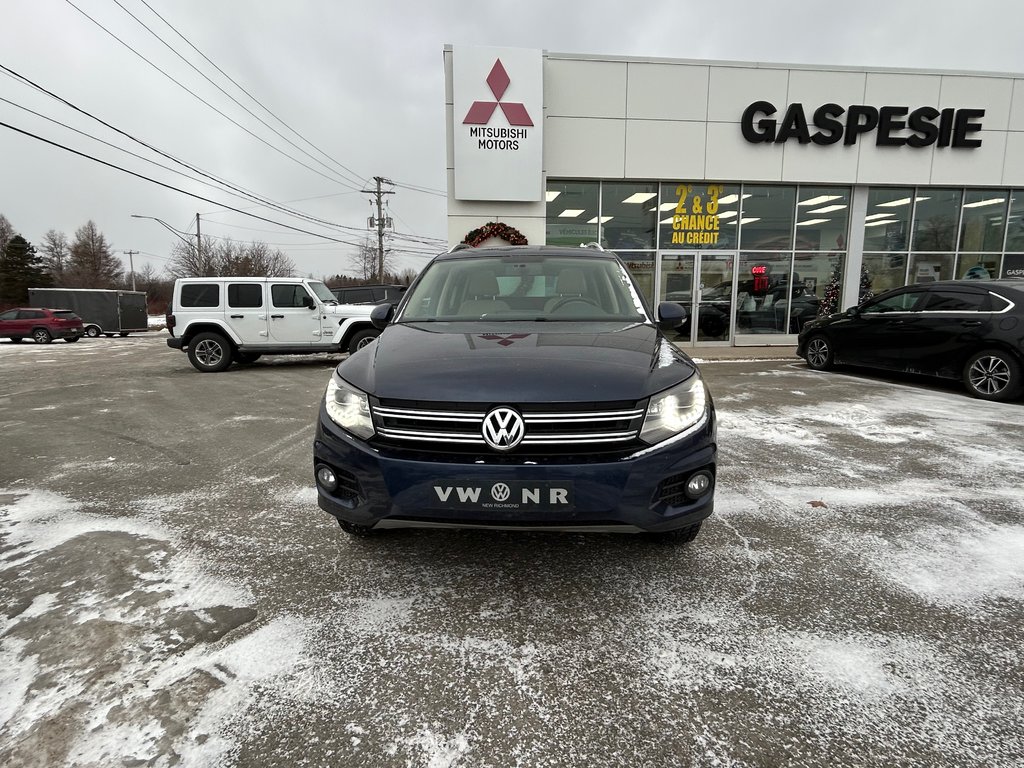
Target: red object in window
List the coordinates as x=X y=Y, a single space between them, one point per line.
x=760 y=273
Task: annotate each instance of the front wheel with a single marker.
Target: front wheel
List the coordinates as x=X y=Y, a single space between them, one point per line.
x=92 y=331
x=819 y=353
x=993 y=375
x=209 y=353
x=359 y=531
x=361 y=339
x=41 y=336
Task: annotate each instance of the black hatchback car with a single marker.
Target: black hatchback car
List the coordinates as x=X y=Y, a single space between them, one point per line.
x=972 y=330
x=519 y=388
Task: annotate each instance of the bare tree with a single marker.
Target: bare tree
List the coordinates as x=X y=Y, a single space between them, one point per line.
x=6 y=232
x=56 y=253
x=226 y=258
x=364 y=262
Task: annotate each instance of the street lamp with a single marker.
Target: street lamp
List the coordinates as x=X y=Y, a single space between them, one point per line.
x=168 y=227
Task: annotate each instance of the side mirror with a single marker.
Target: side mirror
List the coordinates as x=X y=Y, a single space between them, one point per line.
x=381 y=315
x=670 y=315
x=308 y=303
x=853 y=312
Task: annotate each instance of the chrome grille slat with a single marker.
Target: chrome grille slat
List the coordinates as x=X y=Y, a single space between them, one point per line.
x=545 y=429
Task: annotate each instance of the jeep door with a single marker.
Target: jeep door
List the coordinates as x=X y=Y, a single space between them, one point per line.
x=246 y=312
x=294 y=315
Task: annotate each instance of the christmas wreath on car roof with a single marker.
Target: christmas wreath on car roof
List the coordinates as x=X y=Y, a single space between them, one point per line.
x=510 y=235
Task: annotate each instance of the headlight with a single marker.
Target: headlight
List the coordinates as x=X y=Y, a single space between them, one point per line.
x=674 y=411
x=348 y=407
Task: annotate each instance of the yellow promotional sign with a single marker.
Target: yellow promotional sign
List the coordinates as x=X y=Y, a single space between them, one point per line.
x=695 y=221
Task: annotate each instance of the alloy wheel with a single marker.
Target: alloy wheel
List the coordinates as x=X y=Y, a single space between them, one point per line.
x=209 y=353
x=990 y=375
x=817 y=352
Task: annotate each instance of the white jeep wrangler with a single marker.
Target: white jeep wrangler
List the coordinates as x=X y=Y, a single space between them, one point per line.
x=220 y=320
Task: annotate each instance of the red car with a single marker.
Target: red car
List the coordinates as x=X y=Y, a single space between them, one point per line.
x=42 y=325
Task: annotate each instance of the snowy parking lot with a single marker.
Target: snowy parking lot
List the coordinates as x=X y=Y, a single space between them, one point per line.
x=171 y=595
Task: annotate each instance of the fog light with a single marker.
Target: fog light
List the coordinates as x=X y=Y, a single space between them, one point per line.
x=327 y=479
x=698 y=484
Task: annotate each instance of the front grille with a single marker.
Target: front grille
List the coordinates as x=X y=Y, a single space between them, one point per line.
x=548 y=427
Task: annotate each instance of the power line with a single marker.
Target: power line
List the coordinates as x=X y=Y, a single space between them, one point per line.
x=264 y=201
x=243 y=90
x=236 y=101
x=416 y=188
x=185 y=88
x=172 y=187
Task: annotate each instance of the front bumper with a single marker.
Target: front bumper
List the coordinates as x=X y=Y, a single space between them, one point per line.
x=175 y=343
x=628 y=494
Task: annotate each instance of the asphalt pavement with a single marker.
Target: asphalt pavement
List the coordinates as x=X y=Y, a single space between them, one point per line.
x=170 y=593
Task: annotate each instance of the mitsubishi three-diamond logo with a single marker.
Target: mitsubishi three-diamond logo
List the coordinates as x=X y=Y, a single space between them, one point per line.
x=515 y=112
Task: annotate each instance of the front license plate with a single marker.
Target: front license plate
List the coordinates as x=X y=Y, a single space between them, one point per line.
x=503 y=496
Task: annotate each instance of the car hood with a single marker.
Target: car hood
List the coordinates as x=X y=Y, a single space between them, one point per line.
x=517 y=362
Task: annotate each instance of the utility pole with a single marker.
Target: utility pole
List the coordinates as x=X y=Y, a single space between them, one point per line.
x=380 y=222
x=131 y=265
x=199 y=242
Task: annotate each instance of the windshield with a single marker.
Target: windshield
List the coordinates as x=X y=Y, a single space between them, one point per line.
x=322 y=292
x=528 y=287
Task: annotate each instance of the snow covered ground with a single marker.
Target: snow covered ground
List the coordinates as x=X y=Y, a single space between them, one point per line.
x=172 y=596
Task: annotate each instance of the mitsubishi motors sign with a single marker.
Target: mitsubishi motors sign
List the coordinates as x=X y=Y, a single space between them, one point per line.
x=498 y=102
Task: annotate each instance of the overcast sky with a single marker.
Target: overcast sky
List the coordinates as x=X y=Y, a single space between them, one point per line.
x=364 y=83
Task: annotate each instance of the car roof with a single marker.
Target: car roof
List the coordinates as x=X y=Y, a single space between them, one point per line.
x=552 y=251
x=988 y=284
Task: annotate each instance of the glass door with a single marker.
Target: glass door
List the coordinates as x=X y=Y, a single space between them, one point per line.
x=702 y=282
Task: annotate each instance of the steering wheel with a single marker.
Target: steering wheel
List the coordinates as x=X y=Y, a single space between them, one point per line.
x=570 y=299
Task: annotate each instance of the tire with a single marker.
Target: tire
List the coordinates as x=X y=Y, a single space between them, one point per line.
x=993 y=375
x=109 y=335
x=361 y=339
x=818 y=353
x=72 y=339
x=244 y=358
x=209 y=353
x=92 y=331
x=680 y=536
x=359 y=531
x=41 y=336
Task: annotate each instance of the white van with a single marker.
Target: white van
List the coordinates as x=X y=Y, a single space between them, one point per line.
x=220 y=320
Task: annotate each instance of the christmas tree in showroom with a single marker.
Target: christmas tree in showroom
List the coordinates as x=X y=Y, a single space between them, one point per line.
x=830 y=301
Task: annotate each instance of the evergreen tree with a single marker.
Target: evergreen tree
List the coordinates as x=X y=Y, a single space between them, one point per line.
x=20 y=269
x=830 y=300
x=91 y=263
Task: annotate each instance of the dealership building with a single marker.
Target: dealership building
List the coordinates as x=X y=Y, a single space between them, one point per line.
x=757 y=195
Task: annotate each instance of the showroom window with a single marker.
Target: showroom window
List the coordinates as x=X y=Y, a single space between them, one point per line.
x=766 y=218
x=888 y=219
x=983 y=222
x=765 y=282
x=698 y=215
x=822 y=214
x=885 y=270
x=572 y=211
x=628 y=215
x=929 y=267
x=641 y=267
x=1015 y=223
x=936 y=216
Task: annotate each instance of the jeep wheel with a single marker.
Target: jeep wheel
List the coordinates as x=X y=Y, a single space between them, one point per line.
x=41 y=336
x=360 y=531
x=681 y=536
x=361 y=339
x=819 y=353
x=92 y=331
x=993 y=375
x=209 y=352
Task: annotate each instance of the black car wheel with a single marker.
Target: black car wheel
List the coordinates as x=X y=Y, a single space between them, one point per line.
x=41 y=336
x=71 y=339
x=993 y=375
x=361 y=339
x=209 y=352
x=819 y=353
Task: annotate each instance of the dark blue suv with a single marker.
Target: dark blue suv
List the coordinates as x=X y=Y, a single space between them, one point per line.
x=519 y=388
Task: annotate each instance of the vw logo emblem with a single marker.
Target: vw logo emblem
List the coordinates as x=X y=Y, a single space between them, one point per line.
x=500 y=492
x=503 y=428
